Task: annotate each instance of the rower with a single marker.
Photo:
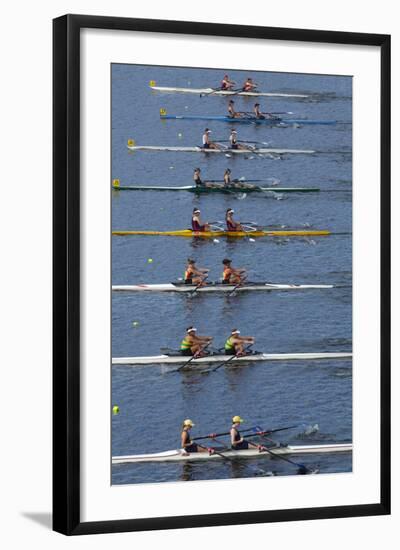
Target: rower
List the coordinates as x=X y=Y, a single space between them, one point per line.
x=200 y=183
x=195 y=275
x=235 y=343
x=193 y=345
x=207 y=143
x=261 y=115
x=196 y=222
x=249 y=85
x=257 y=111
x=231 y=224
x=226 y=83
x=197 y=177
x=227 y=178
x=187 y=445
x=234 y=141
x=232 y=275
x=237 y=441
x=231 y=110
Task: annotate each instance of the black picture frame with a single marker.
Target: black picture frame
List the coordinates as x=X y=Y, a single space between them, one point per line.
x=66 y=273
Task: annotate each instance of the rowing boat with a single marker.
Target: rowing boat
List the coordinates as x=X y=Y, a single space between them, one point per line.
x=212 y=234
x=176 y=455
x=272 y=121
x=218 y=358
x=198 y=149
x=236 y=188
x=212 y=287
x=212 y=91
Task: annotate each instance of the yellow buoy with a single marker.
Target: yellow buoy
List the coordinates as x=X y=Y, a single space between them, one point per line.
x=163 y=111
x=115 y=409
x=152 y=83
x=115 y=183
x=131 y=142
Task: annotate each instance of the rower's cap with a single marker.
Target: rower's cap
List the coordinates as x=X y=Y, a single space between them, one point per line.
x=208 y=130
x=191 y=261
x=235 y=331
x=237 y=420
x=191 y=329
x=188 y=422
x=230 y=211
x=233 y=132
x=196 y=211
x=226 y=261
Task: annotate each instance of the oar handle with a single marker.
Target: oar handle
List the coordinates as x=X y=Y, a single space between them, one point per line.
x=199 y=285
x=212 y=451
x=191 y=359
x=229 y=360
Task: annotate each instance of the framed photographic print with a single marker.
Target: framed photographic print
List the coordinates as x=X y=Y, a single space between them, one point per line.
x=221 y=274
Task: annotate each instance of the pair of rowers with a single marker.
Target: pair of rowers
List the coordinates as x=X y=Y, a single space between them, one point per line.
x=233 y=141
x=238 y=114
x=228 y=84
x=197 y=275
x=231 y=224
x=238 y=443
x=194 y=345
x=227 y=181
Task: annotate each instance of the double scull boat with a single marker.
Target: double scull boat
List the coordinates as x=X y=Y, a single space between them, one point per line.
x=218 y=92
x=213 y=287
x=197 y=149
x=179 y=359
x=176 y=455
x=272 y=121
x=234 y=188
x=236 y=234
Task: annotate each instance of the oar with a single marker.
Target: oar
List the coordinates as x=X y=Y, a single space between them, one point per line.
x=259 y=431
x=211 y=450
x=197 y=287
x=237 y=286
x=301 y=467
x=229 y=360
x=216 y=227
x=265 y=432
x=256 y=142
x=191 y=359
x=212 y=92
x=213 y=436
x=256 y=471
x=248 y=228
x=239 y=90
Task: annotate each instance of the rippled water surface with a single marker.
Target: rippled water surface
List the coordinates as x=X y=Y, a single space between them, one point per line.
x=152 y=400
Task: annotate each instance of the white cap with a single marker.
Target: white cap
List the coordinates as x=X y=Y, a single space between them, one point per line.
x=193 y=329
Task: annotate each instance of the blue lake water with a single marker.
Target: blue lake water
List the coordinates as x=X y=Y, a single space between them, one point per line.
x=152 y=402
